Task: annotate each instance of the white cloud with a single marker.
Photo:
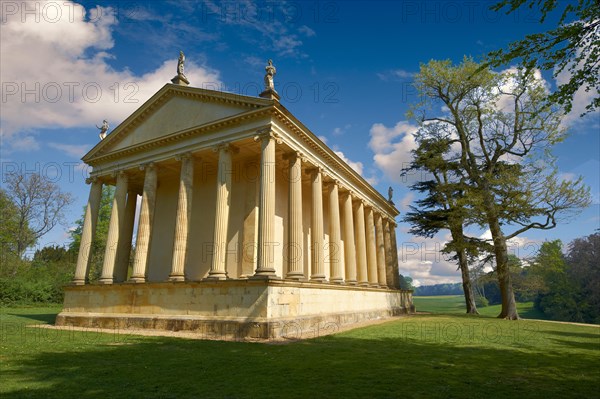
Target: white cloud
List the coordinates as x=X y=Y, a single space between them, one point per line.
x=406 y=200
x=308 y=32
x=392 y=147
x=55 y=74
x=73 y=150
x=395 y=74
x=357 y=166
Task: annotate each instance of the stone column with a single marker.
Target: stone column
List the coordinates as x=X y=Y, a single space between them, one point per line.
x=394 y=255
x=381 y=269
x=349 y=247
x=184 y=211
x=218 y=270
x=124 y=246
x=335 y=239
x=117 y=216
x=266 y=207
x=88 y=232
x=317 y=235
x=387 y=242
x=371 y=247
x=144 y=234
x=295 y=236
x=361 y=247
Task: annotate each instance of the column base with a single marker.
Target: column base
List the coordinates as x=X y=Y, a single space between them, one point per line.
x=137 y=280
x=216 y=276
x=106 y=280
x=295 y=276
x=78 y=282
x=265 y=277
x=318 y=278
x=351 y=282
x=336 y=280
x=176 y=278
x=363 y=284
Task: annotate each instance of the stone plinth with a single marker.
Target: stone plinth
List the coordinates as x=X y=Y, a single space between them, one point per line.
x=265 y=309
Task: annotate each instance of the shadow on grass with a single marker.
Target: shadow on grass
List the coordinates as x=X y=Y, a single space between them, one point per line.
x=46 y=318
x=575 y=334
x=353 y=364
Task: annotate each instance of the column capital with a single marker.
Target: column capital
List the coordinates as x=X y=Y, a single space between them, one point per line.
x=332 y=182
x=267 y=133
x=119 y=173
x=184 y=156
x=225 y=146
x=147 y=165
x=293 y=155
x=91 y=180
x=348 y=193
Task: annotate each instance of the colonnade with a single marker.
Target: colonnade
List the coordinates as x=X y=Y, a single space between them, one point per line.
x=368 y=234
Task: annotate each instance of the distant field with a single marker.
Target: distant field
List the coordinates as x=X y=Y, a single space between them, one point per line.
x=455 y=304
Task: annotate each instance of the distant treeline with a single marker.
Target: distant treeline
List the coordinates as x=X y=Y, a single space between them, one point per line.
x=439 y=289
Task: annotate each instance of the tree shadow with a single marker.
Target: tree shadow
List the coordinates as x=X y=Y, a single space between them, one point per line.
x=46 y=318
x=574 y=334
x=352 y=364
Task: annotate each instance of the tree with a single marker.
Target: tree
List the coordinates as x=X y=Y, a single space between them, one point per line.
x=10 y=261
x=99 y=244
x=39 y=203
x=501 y=131
x=584 y=270
x=443 y=206
x=572 y=46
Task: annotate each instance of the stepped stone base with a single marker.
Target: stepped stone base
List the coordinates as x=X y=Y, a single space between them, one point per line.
x=231 y=309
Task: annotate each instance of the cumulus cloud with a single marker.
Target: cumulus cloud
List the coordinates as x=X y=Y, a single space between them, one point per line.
x=392 y=146
x=55 y=73
x=357 y=166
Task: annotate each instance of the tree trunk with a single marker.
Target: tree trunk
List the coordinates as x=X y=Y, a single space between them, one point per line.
x=457 y=237
x=509 y=306
x=466 y=283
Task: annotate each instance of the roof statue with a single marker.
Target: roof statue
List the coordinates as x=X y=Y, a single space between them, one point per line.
x=180 y=78
x=103 y=129
x=390 y=194
x=270 y=91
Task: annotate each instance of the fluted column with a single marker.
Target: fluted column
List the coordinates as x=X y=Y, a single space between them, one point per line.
x=218 y=270
x=394 y=255
x=117 y=216
x=349 y=246
x=88 y=232
x=335 y=239
x=361 y=247
x=381 y=269
x=371 y=247
x=184 y=211
x=387 y=242
x=144 y=234
x=317 y=235
x=124 y=246
x=266 y=207
x=295 y=236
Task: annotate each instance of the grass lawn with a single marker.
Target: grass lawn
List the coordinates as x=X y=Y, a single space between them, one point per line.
x=423 y=356
x=455 y=304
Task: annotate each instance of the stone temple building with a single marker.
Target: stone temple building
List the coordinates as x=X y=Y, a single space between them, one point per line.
x=249 y=225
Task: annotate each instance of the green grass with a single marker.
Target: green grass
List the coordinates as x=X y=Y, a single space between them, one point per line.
x=455 y=304
x=423 y=356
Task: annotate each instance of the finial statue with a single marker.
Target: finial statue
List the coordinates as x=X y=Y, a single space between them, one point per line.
x=103 y=129
x=390 y=194
x=271 y=71
x=180 y=64
x=180 y=78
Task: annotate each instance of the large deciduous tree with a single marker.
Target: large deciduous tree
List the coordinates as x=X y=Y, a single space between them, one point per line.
x=443 y=206
x=501 y=130
x=39 y=205
x=573 y=47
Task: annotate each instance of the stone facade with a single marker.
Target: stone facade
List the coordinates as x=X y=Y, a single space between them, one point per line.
x=245 y=215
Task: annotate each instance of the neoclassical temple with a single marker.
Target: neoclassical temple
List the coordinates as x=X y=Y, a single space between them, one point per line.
x=249 y=225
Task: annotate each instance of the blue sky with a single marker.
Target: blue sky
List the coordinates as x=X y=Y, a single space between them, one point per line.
x=343 y=68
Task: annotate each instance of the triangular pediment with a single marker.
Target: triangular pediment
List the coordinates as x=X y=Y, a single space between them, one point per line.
x=173 y=109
